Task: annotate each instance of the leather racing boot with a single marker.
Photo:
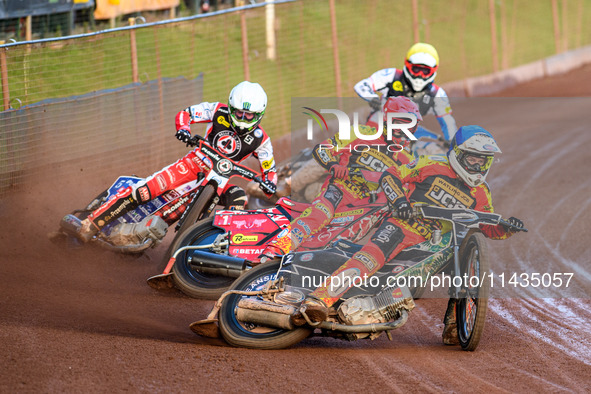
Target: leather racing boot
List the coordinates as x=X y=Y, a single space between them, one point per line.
x=83 y=230
x=314 y=308
x=450 y=331
x=87 y=230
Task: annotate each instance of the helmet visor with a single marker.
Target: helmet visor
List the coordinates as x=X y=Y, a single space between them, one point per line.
x=420 y=70
x=475 y=163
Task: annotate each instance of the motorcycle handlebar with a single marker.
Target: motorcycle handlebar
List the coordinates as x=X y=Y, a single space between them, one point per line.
x=194 y=140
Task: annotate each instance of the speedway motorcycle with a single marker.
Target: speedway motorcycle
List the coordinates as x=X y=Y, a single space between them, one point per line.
x=212 y=253
x=145 y=226
x=258 y=310
x=310 y=176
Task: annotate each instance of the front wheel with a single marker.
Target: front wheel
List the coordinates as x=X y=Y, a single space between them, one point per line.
x=190 y=281
x=241 y=334
x=472 y=305
x=198 y=210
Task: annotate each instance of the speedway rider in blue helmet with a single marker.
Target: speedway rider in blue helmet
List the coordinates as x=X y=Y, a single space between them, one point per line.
x=457 y=181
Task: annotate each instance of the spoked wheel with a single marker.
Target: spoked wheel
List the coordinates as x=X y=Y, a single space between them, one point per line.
x=241 y=334
x=190 y=281
x=472 y=305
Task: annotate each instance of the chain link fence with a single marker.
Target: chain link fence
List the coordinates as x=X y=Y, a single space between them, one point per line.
x=77 y=87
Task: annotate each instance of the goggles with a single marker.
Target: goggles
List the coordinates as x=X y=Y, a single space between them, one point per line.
x=475 y=163
x=243 y=115
x=420 y=70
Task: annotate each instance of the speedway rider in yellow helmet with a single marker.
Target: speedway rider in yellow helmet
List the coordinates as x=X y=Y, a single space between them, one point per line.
x=414 y=81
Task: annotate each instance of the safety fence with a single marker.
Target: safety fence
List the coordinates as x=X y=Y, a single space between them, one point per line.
x=306 y=48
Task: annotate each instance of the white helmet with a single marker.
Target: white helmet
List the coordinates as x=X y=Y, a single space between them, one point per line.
x=475 y=142
x=420 y=65
x=247 y=103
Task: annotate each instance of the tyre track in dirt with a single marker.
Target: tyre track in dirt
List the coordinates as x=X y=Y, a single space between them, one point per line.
x=86 y=320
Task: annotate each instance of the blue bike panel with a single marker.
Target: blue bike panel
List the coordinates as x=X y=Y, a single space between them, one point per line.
x=135 y=215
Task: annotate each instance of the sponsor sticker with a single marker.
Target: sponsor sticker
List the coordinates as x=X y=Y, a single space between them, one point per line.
x=307 y=257
x=182 y=168
x=367 y=260
x=349 y=213
x=161 y=182
x=267 y=164
x=240 y=238
x=223 y=121
x=444 y=194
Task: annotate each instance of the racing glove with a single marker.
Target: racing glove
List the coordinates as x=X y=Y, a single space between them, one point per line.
x=403 y=209
x=513 y=221
x=339 y=171
x=268 y=187
x=183 y=135
x=376 y=104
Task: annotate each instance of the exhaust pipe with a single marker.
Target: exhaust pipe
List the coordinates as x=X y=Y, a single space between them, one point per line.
x=275 y=315
x=265 y=313
x=217 y=264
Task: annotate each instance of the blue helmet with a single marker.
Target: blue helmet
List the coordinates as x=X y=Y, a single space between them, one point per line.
x=472 y=142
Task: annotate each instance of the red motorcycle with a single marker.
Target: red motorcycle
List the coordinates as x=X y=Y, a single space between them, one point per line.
x=212 y=253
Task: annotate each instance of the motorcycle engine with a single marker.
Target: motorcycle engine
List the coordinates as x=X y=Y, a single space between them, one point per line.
x=380 y=308
x=137 y=234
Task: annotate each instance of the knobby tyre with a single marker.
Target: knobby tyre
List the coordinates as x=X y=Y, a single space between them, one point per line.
x=471 y=307
x=239 y=334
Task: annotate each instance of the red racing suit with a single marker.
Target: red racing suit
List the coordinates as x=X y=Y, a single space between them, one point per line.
x=370 y=155
x=220 y=135
x=430 y=180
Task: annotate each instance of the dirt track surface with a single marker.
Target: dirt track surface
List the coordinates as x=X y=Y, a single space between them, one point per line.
x=86 y=321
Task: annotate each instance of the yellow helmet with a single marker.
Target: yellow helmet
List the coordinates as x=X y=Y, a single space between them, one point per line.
x=420 y=65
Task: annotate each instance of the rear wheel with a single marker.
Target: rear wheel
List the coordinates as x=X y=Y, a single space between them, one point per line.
x=189 y=280
x=241 y=334
x=472 y=305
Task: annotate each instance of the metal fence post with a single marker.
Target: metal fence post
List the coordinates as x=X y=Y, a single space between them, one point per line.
x=493 y=35
x=556 y=25
x=244 y=34
x=415 y=20
x=564 y=26
x=504 y=39
x=4 y=70
x=270 y=29
x=335 y=50
x=132 y=43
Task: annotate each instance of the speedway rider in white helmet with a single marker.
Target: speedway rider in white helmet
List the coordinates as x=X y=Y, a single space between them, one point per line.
x=232 y=129
x=414 y=81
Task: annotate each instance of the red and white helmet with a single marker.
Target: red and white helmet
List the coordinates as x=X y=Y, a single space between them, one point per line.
x=420 y=65
x=399 y=105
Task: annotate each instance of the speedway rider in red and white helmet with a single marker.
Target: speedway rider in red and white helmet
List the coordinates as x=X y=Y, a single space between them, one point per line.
x=347 y=187
x=415 y=81
x=232 y=129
